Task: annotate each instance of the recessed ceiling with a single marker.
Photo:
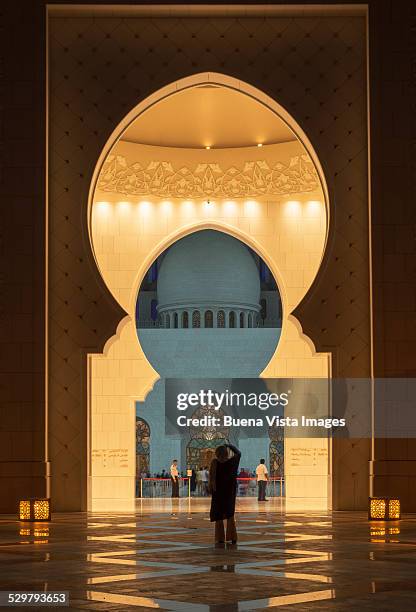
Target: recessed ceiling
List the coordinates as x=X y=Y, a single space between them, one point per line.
x=208 y=115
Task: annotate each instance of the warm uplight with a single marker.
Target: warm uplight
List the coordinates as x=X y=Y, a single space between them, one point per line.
x=144 y=207
x=313 y=208
x=259 y=144
x=103 y=208
x=123 y=207
x=209 y=207
x=251 y=208
x=230 y=208
x=292 y=208
x=188 y=207
x=208 y=147
x=384 y=509
x=166 y=206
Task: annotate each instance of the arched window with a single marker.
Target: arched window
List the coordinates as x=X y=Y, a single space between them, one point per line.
x=201 y=447
x=263 y=311
x=175 y=320
x=250 y=320
x=209 y=318
x=231 y=320
x=241 y=319
x=276 y=451
x=185 y=320
x=142 y=448
x=153 y=310
x=196 y=319
x=220 y=319
x=167 y=321
x=152 y=273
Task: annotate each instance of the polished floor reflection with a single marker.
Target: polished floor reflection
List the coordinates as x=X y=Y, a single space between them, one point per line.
x=163 y=557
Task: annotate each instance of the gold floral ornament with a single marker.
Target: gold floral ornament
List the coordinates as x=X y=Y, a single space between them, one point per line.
x=253 y=179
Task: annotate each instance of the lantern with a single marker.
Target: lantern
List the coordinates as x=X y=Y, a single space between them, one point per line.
x=384 y=509
x=36 y=509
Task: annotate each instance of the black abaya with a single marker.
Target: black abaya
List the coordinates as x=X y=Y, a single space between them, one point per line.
x=223 y=497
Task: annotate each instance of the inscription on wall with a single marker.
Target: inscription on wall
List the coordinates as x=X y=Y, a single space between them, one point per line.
x=303 y=456
x=110 y=457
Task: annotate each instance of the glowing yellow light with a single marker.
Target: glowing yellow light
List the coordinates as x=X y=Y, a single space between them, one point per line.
x=384 y=509
x=41 y=509
x=103 y=208
x=209 y=207
x=145 y=207
x=377 y=508
x=292 y=209
x=166 y=206
x=230 y=208
x=251 y=208
x=259 y=144
x=123 y=207
x=24 y=532
x=377 y=532
x=188 y=207
x=41 y=533
x=35 y=510
x=313 y=208
x=208 y=147
x=24 y=510
x=394 y=508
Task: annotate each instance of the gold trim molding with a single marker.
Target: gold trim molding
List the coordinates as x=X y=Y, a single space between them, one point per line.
x=251 y=179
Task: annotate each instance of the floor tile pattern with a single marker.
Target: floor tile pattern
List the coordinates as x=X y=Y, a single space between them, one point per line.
x=164 y=558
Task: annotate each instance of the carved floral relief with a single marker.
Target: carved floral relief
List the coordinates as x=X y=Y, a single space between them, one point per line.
x=252 y=179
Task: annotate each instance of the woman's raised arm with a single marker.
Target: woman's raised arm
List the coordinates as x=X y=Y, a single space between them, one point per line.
x=235 y=450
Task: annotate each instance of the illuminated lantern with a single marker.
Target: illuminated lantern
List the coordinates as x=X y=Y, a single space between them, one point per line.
x=36 y=509
x=384 y=509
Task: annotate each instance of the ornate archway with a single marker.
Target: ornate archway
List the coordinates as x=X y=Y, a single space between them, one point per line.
x=294 y=258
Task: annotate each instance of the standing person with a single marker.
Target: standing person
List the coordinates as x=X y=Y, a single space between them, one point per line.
x=205 y=479
x=199 y=481
x=261 y=473
x=174 y=476
x=193 y=481
x=223 y=488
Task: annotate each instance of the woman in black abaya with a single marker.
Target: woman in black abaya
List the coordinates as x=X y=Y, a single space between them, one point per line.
x=223 y=488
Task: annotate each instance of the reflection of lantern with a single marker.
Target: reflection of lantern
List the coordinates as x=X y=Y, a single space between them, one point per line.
x=384 y=509
x=37 y=509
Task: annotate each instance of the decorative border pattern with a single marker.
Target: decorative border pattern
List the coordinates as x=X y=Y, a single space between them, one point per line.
x=254 y=179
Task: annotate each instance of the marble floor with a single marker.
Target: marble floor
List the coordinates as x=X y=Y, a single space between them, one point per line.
x=153 y=559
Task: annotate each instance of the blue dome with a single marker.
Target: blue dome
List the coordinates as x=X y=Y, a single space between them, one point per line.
x=208 y=269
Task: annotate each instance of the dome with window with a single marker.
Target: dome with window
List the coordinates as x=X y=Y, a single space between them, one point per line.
x=208 y=279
